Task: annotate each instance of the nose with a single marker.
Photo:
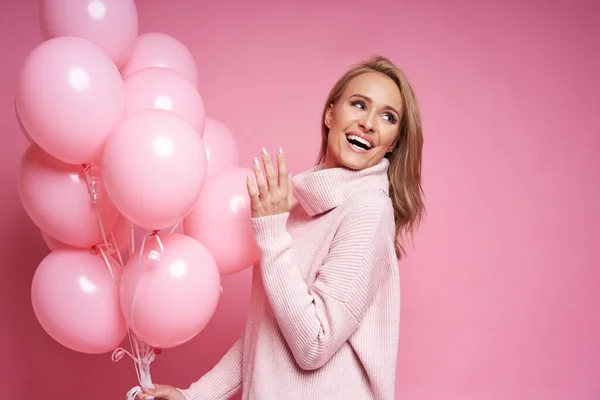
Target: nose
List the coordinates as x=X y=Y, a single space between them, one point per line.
x=367 y=122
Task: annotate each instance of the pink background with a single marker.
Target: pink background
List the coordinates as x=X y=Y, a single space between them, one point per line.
x=500 y=295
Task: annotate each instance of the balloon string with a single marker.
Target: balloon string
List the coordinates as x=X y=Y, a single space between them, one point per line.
x=139 y=348
x=109 y=266
x=159 y=241
x=175 y=227
x=91 y=182
x=110 y=247
x=137 y=278
x=143 y=357
x=131 y=239
x=119 y=352
x=143 y=354
x=117 y=250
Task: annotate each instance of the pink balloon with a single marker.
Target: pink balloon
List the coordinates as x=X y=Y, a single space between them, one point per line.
x=54 y=244
x=164 y=89
x=161 y=50
x=21 y=127
x=221 y=221
x=154 y=166
x=170 y=297
x=69 y=96
x=222 y=150
x=121 y=233
x=56 y=197
x=110 y=24
x=76 y=301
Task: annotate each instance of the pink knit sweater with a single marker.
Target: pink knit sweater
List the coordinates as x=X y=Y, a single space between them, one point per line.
x=325 y=304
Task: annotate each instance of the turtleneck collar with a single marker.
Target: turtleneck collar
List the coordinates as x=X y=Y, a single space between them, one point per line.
x=319 y=190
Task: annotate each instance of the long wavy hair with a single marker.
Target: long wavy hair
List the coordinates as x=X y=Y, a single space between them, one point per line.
x=404 y=174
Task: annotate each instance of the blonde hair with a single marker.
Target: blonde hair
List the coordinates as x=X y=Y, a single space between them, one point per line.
x=404 y=172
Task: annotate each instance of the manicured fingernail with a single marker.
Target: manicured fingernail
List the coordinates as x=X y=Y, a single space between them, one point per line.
x=255 y=161
x=249 y=178
x=149 y=397
x=264 y=151
x=280 y=152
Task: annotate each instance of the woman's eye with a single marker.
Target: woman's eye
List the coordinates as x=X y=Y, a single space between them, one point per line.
x=390 y=118
x=358 y=104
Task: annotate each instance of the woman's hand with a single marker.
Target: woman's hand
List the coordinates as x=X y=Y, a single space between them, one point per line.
x=272 y=191
x=162 y=392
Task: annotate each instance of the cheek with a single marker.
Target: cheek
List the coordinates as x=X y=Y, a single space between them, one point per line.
x=343 y=116
x=333 y=138
x=388 y=136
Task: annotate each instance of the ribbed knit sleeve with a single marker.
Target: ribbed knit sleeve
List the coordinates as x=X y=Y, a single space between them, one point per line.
x=221 y=382
x=317 y=320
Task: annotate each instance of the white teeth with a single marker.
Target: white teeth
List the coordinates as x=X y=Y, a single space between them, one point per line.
x=359 y=139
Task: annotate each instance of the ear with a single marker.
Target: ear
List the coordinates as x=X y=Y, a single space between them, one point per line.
x=393 y=146
x=328 y=116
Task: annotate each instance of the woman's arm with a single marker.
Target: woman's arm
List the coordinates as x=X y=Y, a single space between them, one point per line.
x=223 y=381
x=317 y=320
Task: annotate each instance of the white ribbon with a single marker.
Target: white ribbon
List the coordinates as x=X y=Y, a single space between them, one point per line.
x=133 y=392
x=143 y=354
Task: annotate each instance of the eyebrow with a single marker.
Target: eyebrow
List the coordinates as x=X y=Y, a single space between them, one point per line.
x=367 y=98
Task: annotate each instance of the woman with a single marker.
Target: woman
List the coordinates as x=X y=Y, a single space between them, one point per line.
x=325 y=304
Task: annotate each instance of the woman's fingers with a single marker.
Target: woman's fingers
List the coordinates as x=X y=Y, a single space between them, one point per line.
x=261 y=181
x=252 y=189
x=290 y=196
x=270 y=172
x=143 y=396
x=271 y=191
x=283 y=173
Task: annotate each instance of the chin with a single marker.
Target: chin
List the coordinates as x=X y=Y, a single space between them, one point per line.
x=354 y=161
x=348 y=158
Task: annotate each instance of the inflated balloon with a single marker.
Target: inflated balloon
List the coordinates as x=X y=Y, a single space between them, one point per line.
x=121 y=233
x=221 y=221
x=76 y=301
x=54 y=244
x=161 y=50
x=21 y=127
x=69 y=96
x=154 y=166
x=110 y=24
x=222 y=151
x=170 y=296
x=164 y=89
x=56 y=196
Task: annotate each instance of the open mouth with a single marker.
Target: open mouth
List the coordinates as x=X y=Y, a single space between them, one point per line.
x=358 y=142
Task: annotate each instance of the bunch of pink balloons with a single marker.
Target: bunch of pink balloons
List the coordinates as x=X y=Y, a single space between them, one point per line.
x=119 y=138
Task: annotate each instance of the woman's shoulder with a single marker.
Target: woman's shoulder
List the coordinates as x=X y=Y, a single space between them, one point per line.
x=367 y=212
x=368 y=208
x=374 y=200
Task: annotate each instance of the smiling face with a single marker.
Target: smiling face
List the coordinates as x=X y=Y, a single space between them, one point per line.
x=364 y=123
